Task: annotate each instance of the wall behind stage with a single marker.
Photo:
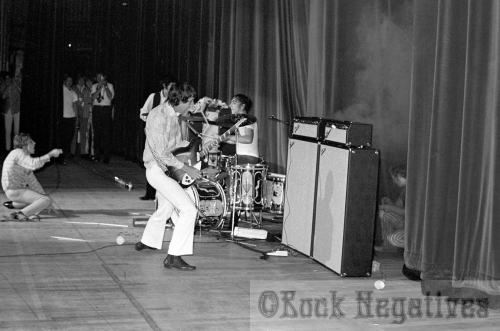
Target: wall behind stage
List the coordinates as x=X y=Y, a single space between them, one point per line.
x=344 y=59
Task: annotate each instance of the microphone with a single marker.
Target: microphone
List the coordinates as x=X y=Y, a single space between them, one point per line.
x=273 y=118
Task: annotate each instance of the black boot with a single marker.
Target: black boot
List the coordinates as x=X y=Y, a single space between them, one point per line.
x=172 y=261
x=8 y=204
x=150 y=192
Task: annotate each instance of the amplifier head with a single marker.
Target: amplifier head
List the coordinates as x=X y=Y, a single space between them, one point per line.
x=307 y=127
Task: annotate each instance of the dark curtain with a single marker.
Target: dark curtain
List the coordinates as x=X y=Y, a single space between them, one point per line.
x=4 y=34
x=41 y=99
x=348 y=60
x=453 y=159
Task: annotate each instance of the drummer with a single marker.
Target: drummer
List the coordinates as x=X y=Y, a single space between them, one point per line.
x=246 y=138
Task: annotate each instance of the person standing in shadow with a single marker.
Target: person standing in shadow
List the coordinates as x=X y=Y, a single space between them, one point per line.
x=154 y=100
x=83 y=105
x=11 y=99
x=69 y=120
x=103 y=94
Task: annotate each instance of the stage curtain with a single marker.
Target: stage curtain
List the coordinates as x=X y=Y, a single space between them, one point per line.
x=454 y=154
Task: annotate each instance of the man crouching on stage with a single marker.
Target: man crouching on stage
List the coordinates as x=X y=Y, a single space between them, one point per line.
x=163 y=135
x=19 y=181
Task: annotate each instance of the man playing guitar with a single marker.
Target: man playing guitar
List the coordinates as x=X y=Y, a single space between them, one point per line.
x=163 y=136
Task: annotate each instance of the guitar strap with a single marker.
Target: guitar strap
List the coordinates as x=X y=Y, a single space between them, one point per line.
x=160 y=164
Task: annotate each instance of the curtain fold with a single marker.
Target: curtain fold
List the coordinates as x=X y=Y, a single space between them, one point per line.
x=4 y=34
x=452 y=203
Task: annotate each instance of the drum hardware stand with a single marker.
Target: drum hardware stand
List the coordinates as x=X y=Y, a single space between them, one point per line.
x=232 y=237
x=257 y=223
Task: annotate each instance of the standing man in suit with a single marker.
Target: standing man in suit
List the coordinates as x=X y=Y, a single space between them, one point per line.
x=154 y=100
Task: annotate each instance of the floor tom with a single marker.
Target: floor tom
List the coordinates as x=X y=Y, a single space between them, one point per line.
x=273 y=195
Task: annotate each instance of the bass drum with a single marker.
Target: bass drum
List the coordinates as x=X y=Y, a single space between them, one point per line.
x=212 y=207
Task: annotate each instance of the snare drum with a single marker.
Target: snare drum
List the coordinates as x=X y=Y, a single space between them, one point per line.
x=274 y=188
x=211 y=171
x=213 y=159
x=225 y=162
x=245 y=186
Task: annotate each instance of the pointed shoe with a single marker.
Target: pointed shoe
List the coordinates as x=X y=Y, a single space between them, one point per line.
x=178 y=263
x=139 y=246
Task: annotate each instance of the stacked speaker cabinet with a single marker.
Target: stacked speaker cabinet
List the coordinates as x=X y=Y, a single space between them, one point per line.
x=330 y=201
x=300 y=192
x=345 y=209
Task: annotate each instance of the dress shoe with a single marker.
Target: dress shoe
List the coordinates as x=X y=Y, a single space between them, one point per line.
x=177 y=262
x=139 y=246
x=147 y=198
x=8 y=204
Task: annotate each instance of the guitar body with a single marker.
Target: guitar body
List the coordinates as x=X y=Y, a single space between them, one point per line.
x=192 y=155
x=188 y=155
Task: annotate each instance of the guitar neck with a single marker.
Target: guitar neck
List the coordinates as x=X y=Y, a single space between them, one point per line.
x=223 y=137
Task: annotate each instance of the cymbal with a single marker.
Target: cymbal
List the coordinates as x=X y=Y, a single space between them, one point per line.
x=191 y=118
x=228 y=121
x=195 y=119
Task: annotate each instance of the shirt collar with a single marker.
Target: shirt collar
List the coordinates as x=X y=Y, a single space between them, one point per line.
x=169 y=110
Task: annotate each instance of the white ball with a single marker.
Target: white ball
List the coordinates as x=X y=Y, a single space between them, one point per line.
x=120 y=240
x=379 y=284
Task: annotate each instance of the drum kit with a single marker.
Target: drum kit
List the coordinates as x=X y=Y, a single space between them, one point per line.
x=228 y=188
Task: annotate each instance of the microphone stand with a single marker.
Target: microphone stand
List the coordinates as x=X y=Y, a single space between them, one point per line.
x=290 y=125
x=273 y=118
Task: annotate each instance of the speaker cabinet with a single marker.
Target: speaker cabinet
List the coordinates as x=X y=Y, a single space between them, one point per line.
x=300 y=190
x=345 y=209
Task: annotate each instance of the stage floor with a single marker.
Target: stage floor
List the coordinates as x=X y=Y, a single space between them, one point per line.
x=68 y=272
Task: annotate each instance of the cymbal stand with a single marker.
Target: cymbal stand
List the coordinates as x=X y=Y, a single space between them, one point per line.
x=234 y=186
x=232 y=189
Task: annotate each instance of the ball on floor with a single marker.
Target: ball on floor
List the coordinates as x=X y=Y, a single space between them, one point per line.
x=120 y=240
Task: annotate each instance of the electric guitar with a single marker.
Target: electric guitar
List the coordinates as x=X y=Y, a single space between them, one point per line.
x=192 y=156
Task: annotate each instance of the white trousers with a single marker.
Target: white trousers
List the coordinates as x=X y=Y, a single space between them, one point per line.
x=31 y=201
x=170 y=195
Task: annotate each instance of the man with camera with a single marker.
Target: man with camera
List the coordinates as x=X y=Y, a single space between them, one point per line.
x=102 y=113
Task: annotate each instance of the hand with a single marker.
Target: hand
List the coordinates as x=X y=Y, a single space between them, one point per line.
x=205 y=101
x=192 y=172
x=55 y=152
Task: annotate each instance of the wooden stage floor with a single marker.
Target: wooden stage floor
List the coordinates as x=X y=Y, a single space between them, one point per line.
x=93 y=283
